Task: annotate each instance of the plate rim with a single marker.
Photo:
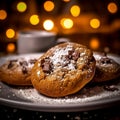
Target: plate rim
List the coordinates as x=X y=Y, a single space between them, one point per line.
x=91 y=105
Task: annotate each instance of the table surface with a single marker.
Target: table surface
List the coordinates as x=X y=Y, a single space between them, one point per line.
x=9 y=113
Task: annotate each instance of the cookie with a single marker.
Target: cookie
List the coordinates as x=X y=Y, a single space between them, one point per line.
x=63 y=70
x=106 y=68
x=17 y=71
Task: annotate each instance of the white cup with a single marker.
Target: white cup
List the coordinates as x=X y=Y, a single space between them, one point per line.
x=35 y=41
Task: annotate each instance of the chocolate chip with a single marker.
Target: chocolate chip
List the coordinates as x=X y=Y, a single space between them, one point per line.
x=23 y=63
x=24 y=70
x=106 y=60
x=73 y=54
x=46 y=65
x=67 y=57
x=32 y=61
x=70 y=52
x=10 y=65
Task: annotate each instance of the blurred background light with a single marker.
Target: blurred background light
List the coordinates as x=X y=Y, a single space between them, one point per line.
x=112 y=7
x=49 y=6
x=66 y=0
x=66 y=23
x=10 y=47
x=94 y=43
x=48 y=24
x=34 y=19
x=10 y=33
x=95 y=23
x=75 y=10
x=3 y=14
x=21 y=6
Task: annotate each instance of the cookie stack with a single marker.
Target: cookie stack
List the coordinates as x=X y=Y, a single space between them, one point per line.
x=62 y=70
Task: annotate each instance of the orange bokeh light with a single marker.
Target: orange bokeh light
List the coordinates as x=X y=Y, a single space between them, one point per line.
x=66 y=23
x=10 y=33
x=49 y=6
x=94 y=43
x=10 y=47
x=75 y=10
x=34 y=19
x=95 y=23
x=112 y=7
x=3 y=14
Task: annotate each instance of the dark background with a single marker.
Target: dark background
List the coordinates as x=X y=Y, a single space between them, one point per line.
x=108 y=34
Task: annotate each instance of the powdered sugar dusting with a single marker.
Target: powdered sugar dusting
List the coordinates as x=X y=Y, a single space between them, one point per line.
x=95 y=93
x=59 y=59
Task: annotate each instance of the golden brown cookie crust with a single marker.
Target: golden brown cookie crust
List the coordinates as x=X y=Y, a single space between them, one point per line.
x=63 y=70
x=17 y=71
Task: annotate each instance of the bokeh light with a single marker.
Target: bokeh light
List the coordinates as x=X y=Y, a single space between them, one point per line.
x=10 y=33
x=34 y=19
x=10 y=47
x=21 y=6
x=49 y=6
x=75 y=10
x=3 y=14
x=94 y=43
x=95 y=23
x=66 y=0
x=48 y=24
x=112 y=7
x=66 y=23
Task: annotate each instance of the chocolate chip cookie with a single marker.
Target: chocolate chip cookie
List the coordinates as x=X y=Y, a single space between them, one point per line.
x=63 y=70
x=17 y=71
x=106 y=68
